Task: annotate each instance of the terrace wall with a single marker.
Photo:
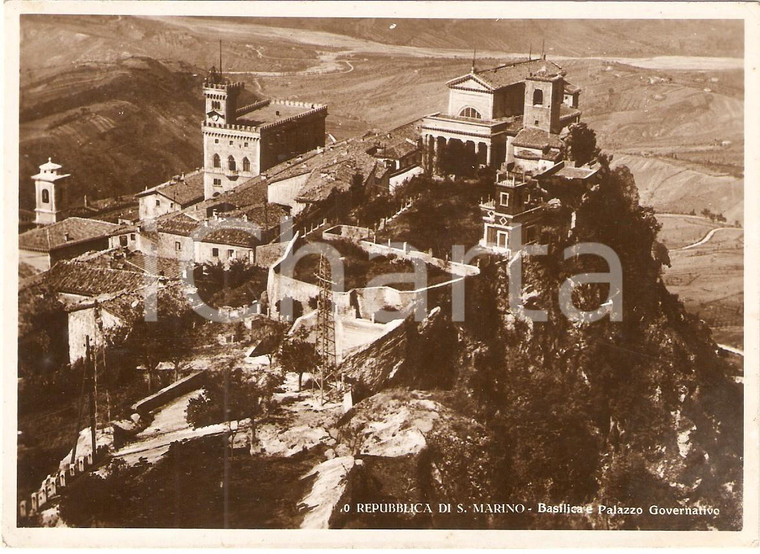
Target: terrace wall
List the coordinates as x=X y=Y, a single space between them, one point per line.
x=363 y=302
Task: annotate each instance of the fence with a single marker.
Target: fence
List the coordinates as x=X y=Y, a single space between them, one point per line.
x=53 y=485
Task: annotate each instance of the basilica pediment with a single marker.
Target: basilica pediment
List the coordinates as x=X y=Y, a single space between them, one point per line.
x=470 y=82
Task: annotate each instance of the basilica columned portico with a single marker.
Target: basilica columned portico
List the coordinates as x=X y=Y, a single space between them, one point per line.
x=450 y=141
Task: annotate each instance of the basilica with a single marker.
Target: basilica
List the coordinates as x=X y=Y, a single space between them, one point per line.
x=513 y=113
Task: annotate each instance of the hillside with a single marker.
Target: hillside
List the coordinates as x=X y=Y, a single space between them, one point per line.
x=563 y=37
x=120 y=105
x=117 y=127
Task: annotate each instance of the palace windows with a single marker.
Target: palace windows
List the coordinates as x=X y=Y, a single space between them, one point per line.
x=538 y=97
x=231 y=165
x=246 y=164
x=217 y=161
x=471 y=113
x=216 y=105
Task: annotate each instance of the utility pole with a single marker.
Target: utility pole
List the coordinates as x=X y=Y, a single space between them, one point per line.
x=92 y=392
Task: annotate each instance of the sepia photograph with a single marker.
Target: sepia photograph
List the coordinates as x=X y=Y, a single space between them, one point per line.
x=391 y=268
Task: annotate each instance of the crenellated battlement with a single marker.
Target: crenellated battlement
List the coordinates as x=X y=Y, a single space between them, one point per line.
x=226 y=86
x=251 y=107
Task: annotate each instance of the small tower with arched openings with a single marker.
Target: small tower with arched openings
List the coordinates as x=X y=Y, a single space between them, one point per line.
x=544 y=91
x=49 y=193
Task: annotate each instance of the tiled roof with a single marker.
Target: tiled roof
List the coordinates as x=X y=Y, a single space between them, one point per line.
x=54 y=236
x=265 y=218
x=253 y=191
x=80 y=277
x=184 y=191
x=538 y=139
x=566 y=112
x=178 y=224
x=171 y=268
x=397 y=150
x=134 y=260
x=571 y=88
x=509 y=74
x=127 y=305
x=232 y=237
x=337 y=177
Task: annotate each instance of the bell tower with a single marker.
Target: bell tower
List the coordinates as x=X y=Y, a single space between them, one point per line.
x=543 y=97
x=48 y=193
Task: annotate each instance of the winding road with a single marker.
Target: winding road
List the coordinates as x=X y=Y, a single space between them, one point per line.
x=708 y=236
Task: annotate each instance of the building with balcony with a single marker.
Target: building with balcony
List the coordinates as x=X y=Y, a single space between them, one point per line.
x=515 y=206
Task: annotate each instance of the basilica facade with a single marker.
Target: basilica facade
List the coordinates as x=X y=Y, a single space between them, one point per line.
x=514 y=113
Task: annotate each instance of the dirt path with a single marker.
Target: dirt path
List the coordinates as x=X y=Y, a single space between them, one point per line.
x=708 y=236
x=731 y=349
x=327 y=65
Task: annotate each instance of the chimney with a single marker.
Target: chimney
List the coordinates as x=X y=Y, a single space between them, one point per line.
x=85 y=200
x=66 y=237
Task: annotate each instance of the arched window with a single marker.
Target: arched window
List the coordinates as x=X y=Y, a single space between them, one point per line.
x=45 y=196
x=538 y=97
x=217 y=161
x=246 y=165
x=231 y=164
x=470 y=112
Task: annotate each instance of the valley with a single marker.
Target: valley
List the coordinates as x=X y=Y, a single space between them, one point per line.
x=122 y=108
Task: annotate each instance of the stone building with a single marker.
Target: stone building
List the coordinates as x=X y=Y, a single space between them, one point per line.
x=488 y=109
x=241 y=141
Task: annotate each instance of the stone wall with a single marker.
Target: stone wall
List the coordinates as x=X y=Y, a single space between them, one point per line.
x=362 y=302
x=169 y=393
x=81 y=324
x=284 y=192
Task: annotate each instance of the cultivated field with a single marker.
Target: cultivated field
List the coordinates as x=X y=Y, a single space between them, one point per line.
x=119 y=124
x=708 y=278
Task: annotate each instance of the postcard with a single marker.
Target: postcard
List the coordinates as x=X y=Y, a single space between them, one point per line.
x=412 y=274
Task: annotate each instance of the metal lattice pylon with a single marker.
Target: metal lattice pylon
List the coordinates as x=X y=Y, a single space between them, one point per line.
x=325 y=324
